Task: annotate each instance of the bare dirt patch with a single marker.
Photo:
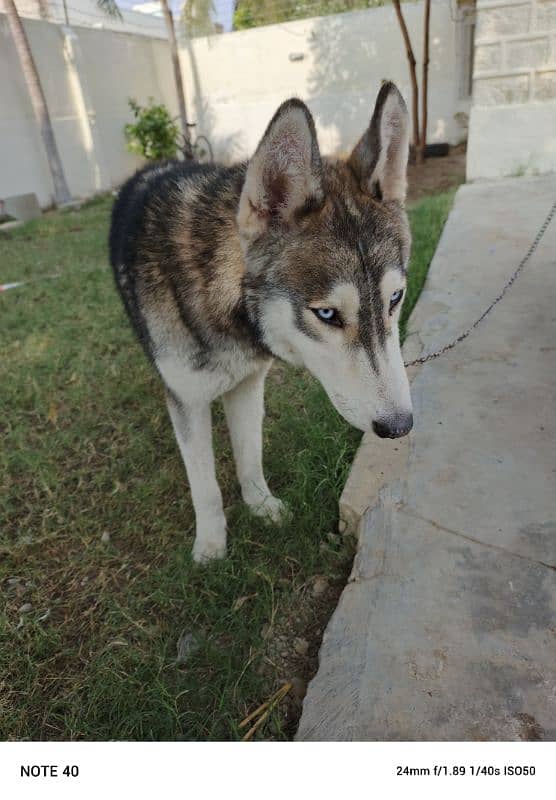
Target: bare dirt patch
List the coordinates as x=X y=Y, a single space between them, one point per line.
x=436 y=174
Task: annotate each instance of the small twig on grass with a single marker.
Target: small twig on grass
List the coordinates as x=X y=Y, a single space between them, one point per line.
x=251 y=732
x=264 y=711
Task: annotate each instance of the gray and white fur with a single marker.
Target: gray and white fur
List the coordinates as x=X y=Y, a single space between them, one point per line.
x=288 y=256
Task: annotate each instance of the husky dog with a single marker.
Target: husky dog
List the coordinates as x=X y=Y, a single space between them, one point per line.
x=287 y=256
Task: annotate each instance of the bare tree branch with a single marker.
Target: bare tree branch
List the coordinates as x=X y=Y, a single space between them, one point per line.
x=412 y=74
x=38 y=102
x=425 y=79
x=177 y=72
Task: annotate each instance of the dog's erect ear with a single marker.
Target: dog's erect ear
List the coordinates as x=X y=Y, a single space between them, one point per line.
x=284 y=176
x=380 y=159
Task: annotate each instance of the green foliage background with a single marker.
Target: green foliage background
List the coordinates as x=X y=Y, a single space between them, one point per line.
x=154 y=134
x=253 y=13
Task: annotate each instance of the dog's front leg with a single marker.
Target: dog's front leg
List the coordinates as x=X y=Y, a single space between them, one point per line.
x=244 y=407
x=193 y=429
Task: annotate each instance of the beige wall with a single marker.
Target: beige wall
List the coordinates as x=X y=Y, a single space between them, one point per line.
x=87 y=79
x=513 y=121
x=234 y=84
x=236 y=81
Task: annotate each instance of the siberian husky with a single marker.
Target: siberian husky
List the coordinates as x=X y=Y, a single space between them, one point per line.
x=290 y=256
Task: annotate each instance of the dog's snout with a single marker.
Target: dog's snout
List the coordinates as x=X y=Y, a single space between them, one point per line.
x=393 y=427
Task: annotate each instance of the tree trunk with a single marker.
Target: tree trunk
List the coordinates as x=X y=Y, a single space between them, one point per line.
x=38 y=101
x=177 y=72
x=413 y=76
x=425 y=82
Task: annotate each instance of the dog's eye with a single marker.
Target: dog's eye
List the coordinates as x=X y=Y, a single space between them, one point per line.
x=328 y=315
x=395 y=299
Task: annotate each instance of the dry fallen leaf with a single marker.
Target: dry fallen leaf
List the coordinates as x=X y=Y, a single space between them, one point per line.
x=320 y=585
x=301 y=646
x=240 y=602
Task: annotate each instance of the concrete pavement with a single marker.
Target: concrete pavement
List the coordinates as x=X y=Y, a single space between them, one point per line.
x=447 y=628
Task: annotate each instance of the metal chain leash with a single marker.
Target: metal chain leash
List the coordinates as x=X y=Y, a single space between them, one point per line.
x=522 y=263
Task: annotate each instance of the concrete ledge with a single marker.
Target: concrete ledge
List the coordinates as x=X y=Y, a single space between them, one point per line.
x=428 y=642
x=22 y=207
x=376 y=463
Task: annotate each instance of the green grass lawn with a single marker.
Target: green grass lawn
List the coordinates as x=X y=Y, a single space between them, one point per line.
x=96 y=579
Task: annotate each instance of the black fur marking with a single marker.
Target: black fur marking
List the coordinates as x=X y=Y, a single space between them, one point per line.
x=372 y=331
x=298 y=309
x=126 y=223
x=146 y=252
x=312 y=204
x=376 y=191
x=174 y=400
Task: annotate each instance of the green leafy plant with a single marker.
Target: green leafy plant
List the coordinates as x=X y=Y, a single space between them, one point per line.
x=154 y=134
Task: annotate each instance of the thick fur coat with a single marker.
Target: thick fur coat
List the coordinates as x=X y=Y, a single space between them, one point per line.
x=290 y=256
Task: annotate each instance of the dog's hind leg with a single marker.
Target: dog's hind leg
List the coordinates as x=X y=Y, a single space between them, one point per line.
x=193 y=429
x=244 y=407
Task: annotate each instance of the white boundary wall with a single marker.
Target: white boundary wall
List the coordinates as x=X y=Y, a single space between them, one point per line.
x=87 y=76
x=236 y=81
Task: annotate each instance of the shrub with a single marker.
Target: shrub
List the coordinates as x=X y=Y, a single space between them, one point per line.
x=154 y=134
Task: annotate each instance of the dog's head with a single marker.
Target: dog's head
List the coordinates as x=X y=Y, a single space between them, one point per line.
x=326 y=246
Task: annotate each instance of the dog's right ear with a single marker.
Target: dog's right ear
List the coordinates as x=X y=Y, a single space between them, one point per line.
x=284 y=177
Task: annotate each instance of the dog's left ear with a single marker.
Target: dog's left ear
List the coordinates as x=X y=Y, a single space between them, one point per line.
x=283 y=178
x=379 y=160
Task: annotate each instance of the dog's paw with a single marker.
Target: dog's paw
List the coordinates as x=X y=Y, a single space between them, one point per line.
x=210 y=542
x=204 y=550
x=271 y=509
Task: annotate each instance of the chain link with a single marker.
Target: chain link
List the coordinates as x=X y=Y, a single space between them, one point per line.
x=465 y=334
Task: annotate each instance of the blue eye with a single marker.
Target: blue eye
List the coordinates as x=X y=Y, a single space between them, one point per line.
x=395 y=299
x=328 y=315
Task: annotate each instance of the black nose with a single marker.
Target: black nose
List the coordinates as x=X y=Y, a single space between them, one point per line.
x=393 y=427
